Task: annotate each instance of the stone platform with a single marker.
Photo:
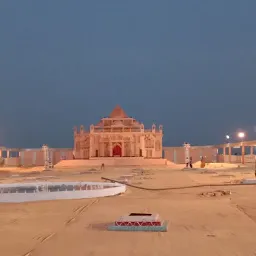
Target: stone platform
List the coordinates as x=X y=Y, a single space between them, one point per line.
x=114 y=161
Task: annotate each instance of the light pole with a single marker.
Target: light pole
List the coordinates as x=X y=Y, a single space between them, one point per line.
x=229 y=148
x=241 y=136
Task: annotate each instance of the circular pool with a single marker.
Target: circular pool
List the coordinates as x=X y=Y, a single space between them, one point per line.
x=40 y=191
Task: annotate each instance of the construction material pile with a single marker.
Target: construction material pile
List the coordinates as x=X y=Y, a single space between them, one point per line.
x=216 y=193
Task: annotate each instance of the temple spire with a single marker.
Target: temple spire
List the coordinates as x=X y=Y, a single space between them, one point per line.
x=118 y=112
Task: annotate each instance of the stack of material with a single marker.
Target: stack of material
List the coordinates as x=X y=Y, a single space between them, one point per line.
x=139 y=222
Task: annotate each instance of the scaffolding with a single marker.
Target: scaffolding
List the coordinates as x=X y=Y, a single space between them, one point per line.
x=48 y=165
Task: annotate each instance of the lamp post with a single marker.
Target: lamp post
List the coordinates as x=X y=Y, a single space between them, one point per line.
x=229 y=148
x=241 y=136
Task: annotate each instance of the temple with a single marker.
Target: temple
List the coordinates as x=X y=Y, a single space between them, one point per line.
x=118 y=136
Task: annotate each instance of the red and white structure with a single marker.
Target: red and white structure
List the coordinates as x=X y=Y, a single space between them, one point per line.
x=139 y=222
x=134 y=220
x=187 y=153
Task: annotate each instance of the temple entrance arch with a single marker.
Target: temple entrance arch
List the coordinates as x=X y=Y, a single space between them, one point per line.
x=117 y=150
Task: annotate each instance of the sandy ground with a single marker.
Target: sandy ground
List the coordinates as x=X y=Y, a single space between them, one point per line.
x=199 y=225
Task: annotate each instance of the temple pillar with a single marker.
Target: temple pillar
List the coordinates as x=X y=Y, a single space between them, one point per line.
x=134 y=146
x=8 y=154
x=243 y=152
x=224 y=154
x=1 y=153
x=252 y=150
x=131 y=148
x=123 y=148
x=91 y=147
x=101 y=149
x=142 y=145
x=110 y=148
x=135 y=150
x=229 y=153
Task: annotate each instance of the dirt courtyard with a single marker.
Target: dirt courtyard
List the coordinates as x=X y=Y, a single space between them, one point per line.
x=198 y=224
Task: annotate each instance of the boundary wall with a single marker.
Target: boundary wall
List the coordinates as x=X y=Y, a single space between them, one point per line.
x=177 y=154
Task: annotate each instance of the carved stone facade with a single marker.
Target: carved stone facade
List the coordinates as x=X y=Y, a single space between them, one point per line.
x=118 y=136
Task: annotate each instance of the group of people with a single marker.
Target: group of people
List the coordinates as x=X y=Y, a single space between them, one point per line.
x=189 y=162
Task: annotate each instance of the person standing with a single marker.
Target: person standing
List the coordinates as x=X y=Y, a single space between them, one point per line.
x=202 y=162
x=187 y=162
x=190 y=162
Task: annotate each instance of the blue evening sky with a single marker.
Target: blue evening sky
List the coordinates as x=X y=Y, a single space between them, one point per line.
x=189 y=65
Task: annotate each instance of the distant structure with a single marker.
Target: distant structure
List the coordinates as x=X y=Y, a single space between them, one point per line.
x=118 y=136
x=48 y=165
x=120 y=140
x=186 y=147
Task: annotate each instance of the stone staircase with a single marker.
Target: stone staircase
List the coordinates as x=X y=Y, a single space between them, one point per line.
x=114 y=161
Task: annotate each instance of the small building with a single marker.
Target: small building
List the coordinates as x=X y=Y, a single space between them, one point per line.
x=118 y=136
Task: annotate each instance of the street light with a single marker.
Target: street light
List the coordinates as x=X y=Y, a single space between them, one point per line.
x=227 y=138
x=229 y=148
x=241 y=135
